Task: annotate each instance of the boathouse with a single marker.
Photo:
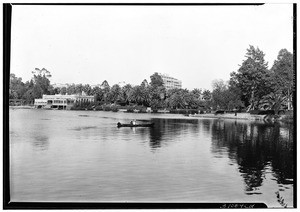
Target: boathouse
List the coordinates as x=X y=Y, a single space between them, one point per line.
x=59 y=101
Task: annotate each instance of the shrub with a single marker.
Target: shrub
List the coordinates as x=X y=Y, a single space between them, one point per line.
x=262 y=112
x=143 y=110
x=106 y=108
x=184 y=111
x=98 y=108
x=254 y=112
x=130 y=110
x=219 y=112
x=114 y=109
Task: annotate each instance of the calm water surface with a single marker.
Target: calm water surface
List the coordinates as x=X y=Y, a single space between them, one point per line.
x=83 y=156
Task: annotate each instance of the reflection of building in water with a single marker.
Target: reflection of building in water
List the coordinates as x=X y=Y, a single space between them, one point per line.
x=61 y=101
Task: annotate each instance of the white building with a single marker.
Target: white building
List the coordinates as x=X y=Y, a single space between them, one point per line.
x=61 y=101
x=60 y=85
x=170 y=82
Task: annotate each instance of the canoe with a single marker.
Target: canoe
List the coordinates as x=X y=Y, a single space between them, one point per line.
x=135 y=125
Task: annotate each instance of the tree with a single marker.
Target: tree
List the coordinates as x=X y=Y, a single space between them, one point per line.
x=78 y=88
x=87 y=89
x=282 y=78
x=145 y=83
x=115 y=93
x=140 y=95
x=147 y=95
x=63 y=91
x=41 y=83
x=180 y=98
x=156 y=80
x=192 y=99
x=42 y=72
x=252 y=78
x=219 y=94
x=16 y=87
x=126 y=92
x=225 y=97
x=71 y=89
x=98 y=93
x=206 y=99
x=105 y=88
x=156 y=94
x=105 y=84
x=176 y=100
x=206 y=95
x=196 y=92
x=234 y=98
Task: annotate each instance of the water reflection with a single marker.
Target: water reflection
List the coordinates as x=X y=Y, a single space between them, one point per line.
x=41 y=142
x=257 y=148
x=165 y=131
x=181 y=159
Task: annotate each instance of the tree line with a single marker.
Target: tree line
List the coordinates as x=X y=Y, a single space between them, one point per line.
x=253 y=86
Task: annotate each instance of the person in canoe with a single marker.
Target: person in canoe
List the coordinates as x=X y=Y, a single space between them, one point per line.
x=134 y=124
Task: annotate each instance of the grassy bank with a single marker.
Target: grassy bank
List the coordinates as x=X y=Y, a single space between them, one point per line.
x=245 y=116
x=132 y=109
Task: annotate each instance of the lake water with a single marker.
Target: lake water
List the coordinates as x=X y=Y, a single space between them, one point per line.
x=82 y=156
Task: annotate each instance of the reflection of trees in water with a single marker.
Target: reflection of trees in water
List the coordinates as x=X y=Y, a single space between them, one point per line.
x=255 y=146
x=206 y=125
x=283 y=152
x=166 y=130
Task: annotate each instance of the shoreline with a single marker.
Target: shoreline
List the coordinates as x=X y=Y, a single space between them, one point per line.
x=21 y=107
x=244 y=116
x=239 y=116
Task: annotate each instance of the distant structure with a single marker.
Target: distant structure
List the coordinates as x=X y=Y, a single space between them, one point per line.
x=60 y=85
x=104 y=85
x=122 y=84
x=145 y=83
x=97 y=85
x=59 y=101
x=170 y=82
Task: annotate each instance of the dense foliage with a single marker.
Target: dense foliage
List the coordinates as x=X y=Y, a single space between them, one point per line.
x=253 y=86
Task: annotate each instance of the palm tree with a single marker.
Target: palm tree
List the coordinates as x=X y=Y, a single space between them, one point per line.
x=115 y=93
x=274 y=100
x=176 y=100
x=126 y=92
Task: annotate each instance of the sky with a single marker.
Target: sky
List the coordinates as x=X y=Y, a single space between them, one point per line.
x=195 y=44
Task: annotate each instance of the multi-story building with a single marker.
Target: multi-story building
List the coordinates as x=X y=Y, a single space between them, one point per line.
x=60 y=85
x=170 y=82
x=61 y=101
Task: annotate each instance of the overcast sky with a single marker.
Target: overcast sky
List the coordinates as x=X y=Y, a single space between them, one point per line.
x=195 y=44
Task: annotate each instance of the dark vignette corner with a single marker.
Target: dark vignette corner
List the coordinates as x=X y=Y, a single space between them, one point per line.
x=7 y=10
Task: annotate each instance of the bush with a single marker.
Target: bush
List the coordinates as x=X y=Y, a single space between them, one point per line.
x=98 y=108
x=254 y=112
x=262 y=112
x=130 y=110
x=143 y=110
x=114 y=109
x=184 y=111
x=106 y=108
x=219 y=112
